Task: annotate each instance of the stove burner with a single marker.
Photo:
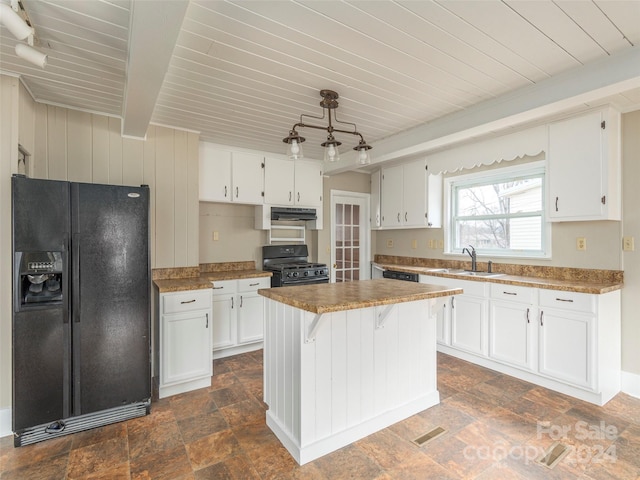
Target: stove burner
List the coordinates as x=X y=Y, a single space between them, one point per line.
x=290 y=266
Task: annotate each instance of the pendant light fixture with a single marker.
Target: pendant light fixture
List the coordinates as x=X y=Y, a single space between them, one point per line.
x=331 y=153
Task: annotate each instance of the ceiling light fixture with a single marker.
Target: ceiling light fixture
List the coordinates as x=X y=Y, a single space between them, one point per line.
x=14 y=22
x=331 y=154
x=17 y=22
x=31 y=55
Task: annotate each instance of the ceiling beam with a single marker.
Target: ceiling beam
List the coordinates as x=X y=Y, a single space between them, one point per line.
x=155 y=25
x=569 y=90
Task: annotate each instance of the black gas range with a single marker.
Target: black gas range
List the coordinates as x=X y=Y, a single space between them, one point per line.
x=290 y=266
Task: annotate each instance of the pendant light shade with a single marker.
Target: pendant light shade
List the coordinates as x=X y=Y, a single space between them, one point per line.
x=294 y=148
x=329 y=104
x=331 y=153
x=363 y=153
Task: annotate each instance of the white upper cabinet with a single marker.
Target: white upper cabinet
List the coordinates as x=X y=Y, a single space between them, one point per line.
x=247 y=175
x=376 y=215
x=292 y=183
x=584 y=167
x=278 y=181
x=228 y=176
x=410 y=197
x=308 y=183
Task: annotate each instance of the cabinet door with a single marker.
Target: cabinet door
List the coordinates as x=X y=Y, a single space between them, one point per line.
x=186 y=346
x=510 y=333
x=443 y=322
x=278 y=181
x=391 y=196
x=468 y=324
x=414 y=193
x=250 y=317
x=247 y=178
x=376 y=217
x=308 y=183
x=215 y=174
x=566 y=350
x=575 y=152
x=224 y=321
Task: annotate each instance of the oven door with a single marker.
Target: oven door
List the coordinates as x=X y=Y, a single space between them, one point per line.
x=302 y=281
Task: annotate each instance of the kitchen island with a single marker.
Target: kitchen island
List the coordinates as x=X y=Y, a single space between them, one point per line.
x=344 y=360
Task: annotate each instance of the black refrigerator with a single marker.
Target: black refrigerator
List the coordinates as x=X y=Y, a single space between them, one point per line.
x=81 y=306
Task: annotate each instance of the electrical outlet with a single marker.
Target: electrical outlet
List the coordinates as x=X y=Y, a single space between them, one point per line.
x=389 y=243
x=441 y=244
x=581 y=243
x=628 y=244
x=432 y=243
x=414 y=243
x=216 y=236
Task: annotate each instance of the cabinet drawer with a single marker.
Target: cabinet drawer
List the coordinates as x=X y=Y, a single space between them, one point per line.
x=472 y=288
x=186 y=301
x=577 y=302
x=512 y=293
x=253 y=284
x=223 y=287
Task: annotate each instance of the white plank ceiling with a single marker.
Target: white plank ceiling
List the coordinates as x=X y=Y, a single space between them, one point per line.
x=242 y=72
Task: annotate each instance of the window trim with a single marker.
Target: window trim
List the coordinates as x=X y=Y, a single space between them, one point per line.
x=494 y=176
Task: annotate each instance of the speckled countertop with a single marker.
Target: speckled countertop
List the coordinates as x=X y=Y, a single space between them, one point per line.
x=335 y=297
x=200 y=278
x=551 y=278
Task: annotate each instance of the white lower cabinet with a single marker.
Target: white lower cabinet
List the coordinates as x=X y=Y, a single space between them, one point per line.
x=469 y=324
x=566 y=341
x=185 y=341
x=512 y=325
x=238 y=315
x=566 y=324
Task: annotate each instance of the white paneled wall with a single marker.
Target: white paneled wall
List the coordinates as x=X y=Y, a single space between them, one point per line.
x=84 y=147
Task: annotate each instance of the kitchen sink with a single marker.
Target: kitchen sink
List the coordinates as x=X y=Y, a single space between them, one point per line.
x=479 y=274
x=459 y=271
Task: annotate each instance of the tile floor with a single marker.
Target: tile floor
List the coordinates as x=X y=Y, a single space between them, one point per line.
x=496 y=427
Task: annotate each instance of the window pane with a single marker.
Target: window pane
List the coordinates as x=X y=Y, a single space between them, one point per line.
x=339 y=214
x=501 y=213
x=517 y=196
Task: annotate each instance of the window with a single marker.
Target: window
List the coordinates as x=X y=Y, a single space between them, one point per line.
x=500 y=212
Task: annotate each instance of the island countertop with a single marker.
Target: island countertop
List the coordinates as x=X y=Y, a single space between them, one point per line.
x=336 y=297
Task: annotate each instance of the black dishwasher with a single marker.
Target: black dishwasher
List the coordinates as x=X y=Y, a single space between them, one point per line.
x=395 y=275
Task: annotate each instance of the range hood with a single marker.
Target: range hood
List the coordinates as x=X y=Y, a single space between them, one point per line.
x=293 y=213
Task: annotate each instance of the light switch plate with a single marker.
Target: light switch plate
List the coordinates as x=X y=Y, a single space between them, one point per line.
x=414 y=243
x=216 y=236
x=389 y=243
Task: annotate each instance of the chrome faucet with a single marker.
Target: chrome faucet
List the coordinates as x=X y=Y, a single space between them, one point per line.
x=472 y=254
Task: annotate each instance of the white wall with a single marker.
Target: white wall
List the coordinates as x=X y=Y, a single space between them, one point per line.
x=631 y=260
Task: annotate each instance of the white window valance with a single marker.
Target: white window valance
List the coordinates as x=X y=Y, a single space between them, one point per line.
x=529 y=142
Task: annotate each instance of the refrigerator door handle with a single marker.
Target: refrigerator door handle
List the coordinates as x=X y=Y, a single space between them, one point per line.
x=75 y=288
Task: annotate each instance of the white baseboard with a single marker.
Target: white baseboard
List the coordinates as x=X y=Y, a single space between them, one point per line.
x=631 y=384
x=5 y=422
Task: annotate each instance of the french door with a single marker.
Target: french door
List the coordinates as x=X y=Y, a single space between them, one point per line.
x=350 y=236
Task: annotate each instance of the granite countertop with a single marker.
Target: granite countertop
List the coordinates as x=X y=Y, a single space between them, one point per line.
x=200 y=278
x=335 y=297
x=584 y=284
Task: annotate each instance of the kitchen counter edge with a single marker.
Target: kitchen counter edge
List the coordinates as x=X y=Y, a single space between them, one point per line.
x=534 y=282
x=205 y=280
x=336 y=297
